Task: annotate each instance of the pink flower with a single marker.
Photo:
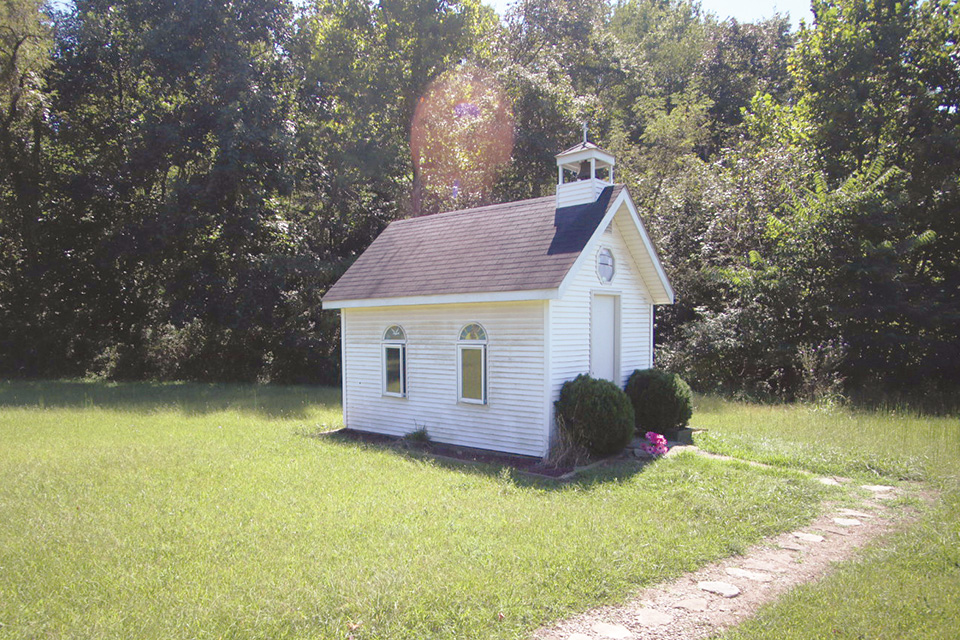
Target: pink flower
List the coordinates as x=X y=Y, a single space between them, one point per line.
x=657 y=445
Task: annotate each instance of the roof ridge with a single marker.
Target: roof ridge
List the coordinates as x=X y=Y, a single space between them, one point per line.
x=502 y=205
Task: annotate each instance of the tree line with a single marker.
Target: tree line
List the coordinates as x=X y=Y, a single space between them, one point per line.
x=181 y=181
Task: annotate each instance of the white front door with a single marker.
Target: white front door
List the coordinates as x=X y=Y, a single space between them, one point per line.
x=603 y=338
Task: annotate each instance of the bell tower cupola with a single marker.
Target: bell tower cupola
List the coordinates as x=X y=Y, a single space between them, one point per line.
x=583 y=171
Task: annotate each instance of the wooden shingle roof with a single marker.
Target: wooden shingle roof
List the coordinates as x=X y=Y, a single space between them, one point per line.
x=517 y=246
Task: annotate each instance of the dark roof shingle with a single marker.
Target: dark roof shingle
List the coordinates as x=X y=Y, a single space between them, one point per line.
x=516 y=246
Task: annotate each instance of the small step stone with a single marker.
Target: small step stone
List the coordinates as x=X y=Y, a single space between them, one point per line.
x=855 y=514
x=769 y=567
x=807 y=537
x=847 y=522
x=834 y=530
x=692 y=604
x=652 y=618
x=877 y=488
x=756 y=576
x=612 y=631
x=724 y=589
x=830 y=482
x=792 y=546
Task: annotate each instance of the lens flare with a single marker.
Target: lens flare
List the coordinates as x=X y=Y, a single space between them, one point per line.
x=461 y=135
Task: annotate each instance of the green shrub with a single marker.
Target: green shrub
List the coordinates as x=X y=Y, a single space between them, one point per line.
x=661 y=401
x=418 y=435
x=595 y=414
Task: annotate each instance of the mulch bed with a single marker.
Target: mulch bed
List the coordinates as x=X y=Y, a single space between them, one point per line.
x=523 y=464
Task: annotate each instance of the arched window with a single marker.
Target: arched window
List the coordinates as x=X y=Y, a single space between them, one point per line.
x=394 y=334
x=394 y=348
x=472 y=365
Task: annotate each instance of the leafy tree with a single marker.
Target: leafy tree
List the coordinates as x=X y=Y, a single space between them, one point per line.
x=170 y=125
x=25 y=40
x=739 y=61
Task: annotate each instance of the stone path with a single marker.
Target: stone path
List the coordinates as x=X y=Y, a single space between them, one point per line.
x=720 y=595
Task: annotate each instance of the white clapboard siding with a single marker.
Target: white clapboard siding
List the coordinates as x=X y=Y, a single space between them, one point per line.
x=513 y=420
x=580 y=192
x=570 y=315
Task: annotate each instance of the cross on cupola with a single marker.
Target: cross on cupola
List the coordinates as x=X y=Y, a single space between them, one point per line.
x=583 y=172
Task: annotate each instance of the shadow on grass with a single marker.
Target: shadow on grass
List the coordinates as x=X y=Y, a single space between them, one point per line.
x=186 y=397
x=520 y=471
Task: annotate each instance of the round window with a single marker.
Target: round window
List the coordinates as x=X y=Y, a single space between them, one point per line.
x=605 y=267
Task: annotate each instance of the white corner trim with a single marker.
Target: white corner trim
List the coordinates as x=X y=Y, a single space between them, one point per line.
x=648 y=244
x=343 y=367
x=547 y=378
x=446 y=298
x=652 y=341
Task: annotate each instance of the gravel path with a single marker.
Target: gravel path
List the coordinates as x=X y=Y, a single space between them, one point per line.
x=720 y=595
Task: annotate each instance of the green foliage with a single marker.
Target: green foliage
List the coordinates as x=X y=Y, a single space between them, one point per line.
x=662 y=401
x=418 y=435
x=838 y=234
x=595 y=414
x=25 y=42
x=181 y=182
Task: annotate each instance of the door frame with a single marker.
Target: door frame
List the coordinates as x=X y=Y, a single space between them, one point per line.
x=615 y=294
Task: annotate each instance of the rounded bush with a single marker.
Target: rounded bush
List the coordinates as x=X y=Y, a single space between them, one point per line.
x=661 y=401
x=595 y=414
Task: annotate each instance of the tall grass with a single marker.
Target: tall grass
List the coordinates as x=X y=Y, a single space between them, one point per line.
x=887 y=442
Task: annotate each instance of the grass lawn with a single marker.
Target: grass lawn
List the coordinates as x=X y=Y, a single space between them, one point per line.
x=171 y=511
x=906 y=586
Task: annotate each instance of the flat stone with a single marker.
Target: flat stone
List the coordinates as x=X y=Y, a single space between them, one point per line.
x=876 y=488
x=760 y=565
x=829 y=481
x=677 y=449
x=855 y=514
x=614 y=631
x=835 y=530
x=652 y=618
x=692 y=604
x=578 y=636
x=847 y=522
x=790 y=546
x=807 y=537
x=756 y=576
x=724 y=589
